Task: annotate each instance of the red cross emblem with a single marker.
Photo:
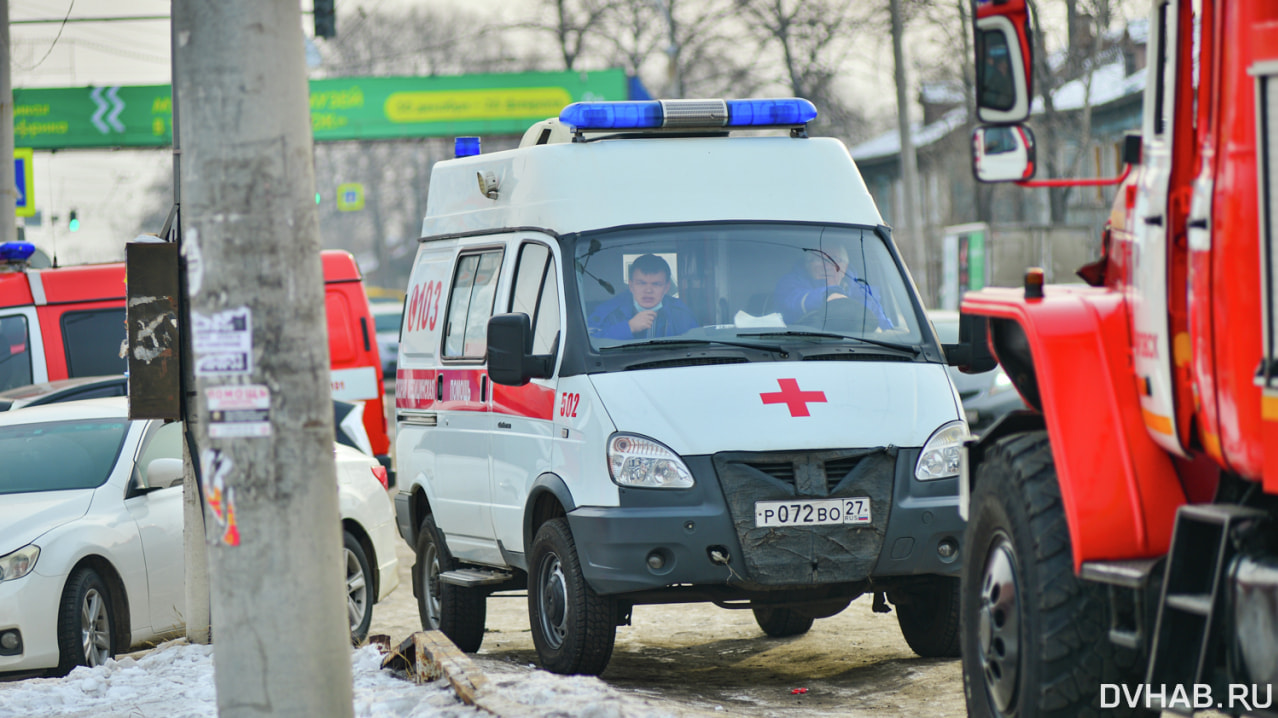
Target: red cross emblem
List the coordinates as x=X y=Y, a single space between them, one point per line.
x=796 y=400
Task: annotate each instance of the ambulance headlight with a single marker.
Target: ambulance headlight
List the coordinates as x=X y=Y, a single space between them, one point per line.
x=640 y=462
x=940 y=457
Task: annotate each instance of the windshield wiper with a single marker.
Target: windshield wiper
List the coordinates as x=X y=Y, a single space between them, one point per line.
x=774 y=348
x=913 y=350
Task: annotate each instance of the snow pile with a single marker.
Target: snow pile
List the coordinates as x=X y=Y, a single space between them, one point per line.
x=175 y=680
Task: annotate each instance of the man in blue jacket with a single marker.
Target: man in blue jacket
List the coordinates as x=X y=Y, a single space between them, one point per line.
x=825 y=276
x=646 y=311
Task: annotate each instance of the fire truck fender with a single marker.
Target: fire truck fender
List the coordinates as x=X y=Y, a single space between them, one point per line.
x=1069 y=356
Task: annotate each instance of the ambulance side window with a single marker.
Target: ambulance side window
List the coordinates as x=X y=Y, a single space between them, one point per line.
x=470 y=305
x=537 y=294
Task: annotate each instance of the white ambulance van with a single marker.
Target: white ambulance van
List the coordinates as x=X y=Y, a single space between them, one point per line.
x=655 y=355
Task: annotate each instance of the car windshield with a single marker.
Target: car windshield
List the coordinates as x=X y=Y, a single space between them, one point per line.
x=764 y=283
x=59 y=455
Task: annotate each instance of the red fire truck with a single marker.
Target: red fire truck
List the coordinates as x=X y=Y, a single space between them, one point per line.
x=63 y=322
x=1122 y=544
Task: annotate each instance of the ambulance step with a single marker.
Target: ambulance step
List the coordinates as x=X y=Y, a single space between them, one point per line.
x=1131 y=600
x=470 y=577
x=1186 y=646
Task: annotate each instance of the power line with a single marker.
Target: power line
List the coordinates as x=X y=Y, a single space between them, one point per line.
x=111 y=18
x=55 y=40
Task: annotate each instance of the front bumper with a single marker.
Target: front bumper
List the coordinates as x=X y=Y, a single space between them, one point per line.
x=686 y=529
x=30 y=605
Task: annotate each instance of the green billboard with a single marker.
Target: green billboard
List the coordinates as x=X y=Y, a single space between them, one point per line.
x=350 y=108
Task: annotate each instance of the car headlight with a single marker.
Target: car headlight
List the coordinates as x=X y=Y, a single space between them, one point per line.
x=640 y=462
x=19 y=563
x=940 y=456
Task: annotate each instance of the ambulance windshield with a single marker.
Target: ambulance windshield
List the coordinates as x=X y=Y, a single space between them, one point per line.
x=741 y=281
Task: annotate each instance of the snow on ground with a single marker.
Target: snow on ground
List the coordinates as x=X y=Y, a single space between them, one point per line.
x=176 y=681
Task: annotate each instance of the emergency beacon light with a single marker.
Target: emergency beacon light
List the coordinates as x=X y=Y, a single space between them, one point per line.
x=688 y=114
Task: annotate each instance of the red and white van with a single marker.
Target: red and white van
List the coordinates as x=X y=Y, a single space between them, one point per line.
x=64 y=322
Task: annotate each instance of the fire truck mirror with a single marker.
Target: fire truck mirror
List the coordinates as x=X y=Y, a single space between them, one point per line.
x=154 y=350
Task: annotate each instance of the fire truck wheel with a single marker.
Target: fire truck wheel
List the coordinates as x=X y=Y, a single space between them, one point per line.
x=573 y=627
x=1034 y=637
x=929 y=616
x=457 y=611
x=781 y=622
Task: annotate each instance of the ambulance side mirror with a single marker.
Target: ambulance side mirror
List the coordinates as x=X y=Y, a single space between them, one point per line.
x=510 y=361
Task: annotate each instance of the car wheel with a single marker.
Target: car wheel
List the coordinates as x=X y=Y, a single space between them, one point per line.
x=86 y=623
x=781 y=622
x=456 y=611
x=359 y=588
x=1033 y=636
x=928 y=613
x=573 y=627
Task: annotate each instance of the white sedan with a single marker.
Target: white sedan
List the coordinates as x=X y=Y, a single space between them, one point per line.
x=91 y=545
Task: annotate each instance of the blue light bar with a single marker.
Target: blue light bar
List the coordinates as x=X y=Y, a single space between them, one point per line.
x=688 y=114
x=465 y=146
x=16 y=251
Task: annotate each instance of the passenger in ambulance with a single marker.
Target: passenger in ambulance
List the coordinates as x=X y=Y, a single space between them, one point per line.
x=646 y=311
x=825 y=276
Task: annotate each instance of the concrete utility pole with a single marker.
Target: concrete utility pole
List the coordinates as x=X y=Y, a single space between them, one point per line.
x=914 y=247
x=281 y=639
x=8 y=186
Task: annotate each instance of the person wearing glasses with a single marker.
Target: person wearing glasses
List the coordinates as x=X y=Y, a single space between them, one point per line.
x=825 y=276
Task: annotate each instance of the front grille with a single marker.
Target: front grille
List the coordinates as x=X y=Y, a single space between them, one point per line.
x=807 y=555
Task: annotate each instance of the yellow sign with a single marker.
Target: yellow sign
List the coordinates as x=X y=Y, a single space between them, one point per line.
x=24 y=181
x=350 y=197
x=494 y=104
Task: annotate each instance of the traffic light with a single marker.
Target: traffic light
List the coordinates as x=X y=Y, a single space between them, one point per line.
x=325 y=19
x=73 y=224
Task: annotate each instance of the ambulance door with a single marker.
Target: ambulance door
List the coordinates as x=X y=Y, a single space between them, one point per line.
x=463 y=509
x=22 y=359
x=522 y=440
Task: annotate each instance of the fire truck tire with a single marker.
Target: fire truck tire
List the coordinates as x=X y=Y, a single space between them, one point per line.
x=456 y=611
x=573 y=628
x=1033 y=636
x=929 y=617
x=782 y=622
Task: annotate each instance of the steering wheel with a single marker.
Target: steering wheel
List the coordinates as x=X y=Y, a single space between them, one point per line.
x=842 y=314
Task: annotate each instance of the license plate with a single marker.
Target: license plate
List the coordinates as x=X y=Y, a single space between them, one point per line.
x=812 y=512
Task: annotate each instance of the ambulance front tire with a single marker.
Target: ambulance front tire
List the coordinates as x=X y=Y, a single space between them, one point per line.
x=573 y=627
x=928 y=614
x=457 y=612
x=781 y=622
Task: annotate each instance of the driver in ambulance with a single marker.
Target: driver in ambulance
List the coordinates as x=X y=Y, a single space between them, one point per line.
x=824 y=276
x=646 y=311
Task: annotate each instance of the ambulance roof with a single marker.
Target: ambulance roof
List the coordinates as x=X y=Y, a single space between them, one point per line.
x=579 y=186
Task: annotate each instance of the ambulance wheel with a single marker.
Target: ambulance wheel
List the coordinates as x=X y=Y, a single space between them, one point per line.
x=1033 y=637
x=928 y=613
x=573 y=627
x=456 y=611
x=781 y=622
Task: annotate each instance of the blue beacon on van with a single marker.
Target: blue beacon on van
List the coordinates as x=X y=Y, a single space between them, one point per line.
x=655 y=114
